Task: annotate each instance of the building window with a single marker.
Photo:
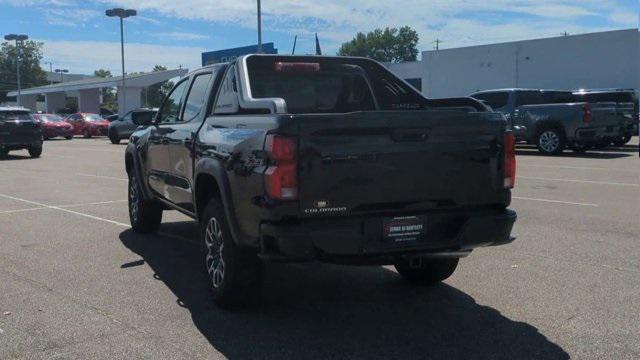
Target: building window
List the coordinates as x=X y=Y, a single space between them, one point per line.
x=416 y=83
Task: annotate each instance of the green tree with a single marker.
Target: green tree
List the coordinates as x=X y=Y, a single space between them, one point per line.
x=31 y=74
x=109 y=98
x=156 y=93
x=102 y=73
x=387 y=45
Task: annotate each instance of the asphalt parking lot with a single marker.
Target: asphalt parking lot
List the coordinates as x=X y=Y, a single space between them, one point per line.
x=75 y=282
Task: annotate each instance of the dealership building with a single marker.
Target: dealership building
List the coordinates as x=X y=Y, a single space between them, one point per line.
x=597 y=60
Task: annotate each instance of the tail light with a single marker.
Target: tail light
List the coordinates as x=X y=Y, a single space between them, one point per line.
x=587 y=116
x=297 y=67
x=281 y=178
x=509 y=160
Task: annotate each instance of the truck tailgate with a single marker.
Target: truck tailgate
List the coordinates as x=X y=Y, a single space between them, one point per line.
x=399 y=161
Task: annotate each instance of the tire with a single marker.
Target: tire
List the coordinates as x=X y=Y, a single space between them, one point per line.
x=114 y=137
x=428 y=272
x=35 y=151
x=4 y=153
x=623 y=140
x=234 y=273
x=551 y=141
x=68 y=137
x=145 y=216
x=86 y=134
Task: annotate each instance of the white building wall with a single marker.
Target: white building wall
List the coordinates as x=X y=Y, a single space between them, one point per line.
x=598 y=60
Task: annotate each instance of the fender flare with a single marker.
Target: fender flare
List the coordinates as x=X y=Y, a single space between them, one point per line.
x=216 y=169
x=132 y=151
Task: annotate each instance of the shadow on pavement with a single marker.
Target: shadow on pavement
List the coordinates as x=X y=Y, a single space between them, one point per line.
x=569 y=154
x=328 y=311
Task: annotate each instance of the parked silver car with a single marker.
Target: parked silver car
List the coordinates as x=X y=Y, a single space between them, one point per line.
x=124 y=126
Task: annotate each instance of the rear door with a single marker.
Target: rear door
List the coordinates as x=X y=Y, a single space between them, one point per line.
x=158 y=161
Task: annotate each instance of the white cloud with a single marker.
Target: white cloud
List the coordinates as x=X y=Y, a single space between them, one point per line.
x=86 y=56
x=338 y=20
x=625 y=18
x=177 y=35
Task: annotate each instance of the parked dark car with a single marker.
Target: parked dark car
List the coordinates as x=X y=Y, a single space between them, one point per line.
x=299 y=158
x=19 y=130
x=54 y=126
x=123 y=127
x=627 y=108
x=88 y=124
x=554 y=120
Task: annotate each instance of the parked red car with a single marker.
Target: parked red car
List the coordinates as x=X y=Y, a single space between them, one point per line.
x=88 y=125
x=53 y=126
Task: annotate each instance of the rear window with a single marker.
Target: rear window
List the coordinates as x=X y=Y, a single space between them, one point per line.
x=495 y=100
x=93 y=117
x=49 y=118
x=329 y=85
x=15 y=115
x=543 y=97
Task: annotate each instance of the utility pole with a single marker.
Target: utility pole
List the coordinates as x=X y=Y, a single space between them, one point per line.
x=18 y=39
x=122 y=14
x=50 y=71
x=565 y=33
x=437 y=42
x=259 y=28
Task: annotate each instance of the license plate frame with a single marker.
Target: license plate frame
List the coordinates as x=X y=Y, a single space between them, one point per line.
x=403 y=229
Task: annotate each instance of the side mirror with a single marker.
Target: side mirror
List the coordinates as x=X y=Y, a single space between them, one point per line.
x=144 y=118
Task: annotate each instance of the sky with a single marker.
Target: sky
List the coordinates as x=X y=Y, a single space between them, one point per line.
x=79 y=37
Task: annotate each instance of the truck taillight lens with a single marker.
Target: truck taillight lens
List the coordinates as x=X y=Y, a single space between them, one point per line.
x=587 y=116
x=509 y=161
x=281 y=178
x=297 y=67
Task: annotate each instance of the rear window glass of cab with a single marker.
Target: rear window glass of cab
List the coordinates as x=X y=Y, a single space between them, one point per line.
x=15 y=115
x=316 y=85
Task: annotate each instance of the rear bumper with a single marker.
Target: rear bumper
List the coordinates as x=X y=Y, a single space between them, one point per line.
x=595 y=135
x=360 y=240
x=21 y=141
x=53 y=132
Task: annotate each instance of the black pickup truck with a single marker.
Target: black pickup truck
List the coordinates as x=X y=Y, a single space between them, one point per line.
x=300 y=158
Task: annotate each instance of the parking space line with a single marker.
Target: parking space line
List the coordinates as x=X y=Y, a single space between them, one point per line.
x=62 y=206
x=21 y=210
x=579 y=181
x=580 y=168
x=65 y=210
x=556 y=201
x=103 y=177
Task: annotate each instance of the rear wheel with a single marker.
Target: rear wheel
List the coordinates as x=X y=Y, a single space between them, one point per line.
x=234 y=272
x=551 y=141
x=623 y=140
x=35 y=151
x=68 y=137
x=114 y=137
x=145 y=215
x=426 y=271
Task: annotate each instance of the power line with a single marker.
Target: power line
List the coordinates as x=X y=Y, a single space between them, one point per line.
x=437 y=44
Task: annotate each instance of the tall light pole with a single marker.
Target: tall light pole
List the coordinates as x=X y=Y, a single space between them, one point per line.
x=62 y=72
x=122 y=14
x=19 y=39
x=50 y=71
x=259 y=28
